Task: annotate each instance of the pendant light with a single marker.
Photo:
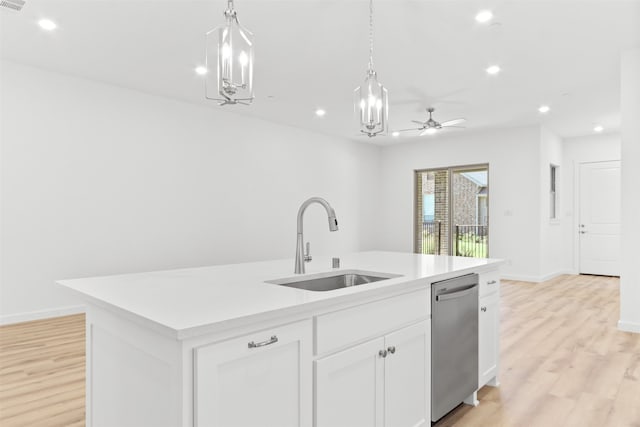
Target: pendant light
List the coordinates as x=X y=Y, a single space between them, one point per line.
x=230 y=48
x=371 y=98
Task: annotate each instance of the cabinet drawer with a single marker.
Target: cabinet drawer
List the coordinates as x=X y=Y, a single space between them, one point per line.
x=489 y=282
x=341 y=328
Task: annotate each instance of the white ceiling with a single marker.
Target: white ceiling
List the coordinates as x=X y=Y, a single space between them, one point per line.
x=313 y=53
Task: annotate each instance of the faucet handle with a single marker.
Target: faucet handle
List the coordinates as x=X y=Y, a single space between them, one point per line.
x=307 y=256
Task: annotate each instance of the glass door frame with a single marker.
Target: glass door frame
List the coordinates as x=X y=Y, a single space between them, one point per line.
x=450 y=171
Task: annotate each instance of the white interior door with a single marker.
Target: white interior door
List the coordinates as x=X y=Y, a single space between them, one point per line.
x=599 y=218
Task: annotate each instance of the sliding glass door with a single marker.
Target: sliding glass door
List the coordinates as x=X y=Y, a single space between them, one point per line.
x=452 y=211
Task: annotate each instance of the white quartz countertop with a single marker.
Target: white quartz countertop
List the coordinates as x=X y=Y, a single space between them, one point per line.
x=188 y=302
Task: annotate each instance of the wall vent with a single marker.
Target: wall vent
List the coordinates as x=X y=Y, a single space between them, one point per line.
x=12 y=5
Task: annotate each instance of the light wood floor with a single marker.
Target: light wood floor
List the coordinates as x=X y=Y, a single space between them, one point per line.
x=563 y=364
x=42 y=373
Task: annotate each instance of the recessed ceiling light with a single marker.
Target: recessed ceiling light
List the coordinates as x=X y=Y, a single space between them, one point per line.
x=47 y=24
x=484 y=16
x=544 y=109
x=201 y=71
x=493 y=70
x=598 y=128
x=320 y=112
x=395 y=134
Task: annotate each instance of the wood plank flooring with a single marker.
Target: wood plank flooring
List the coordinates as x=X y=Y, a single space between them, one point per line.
x=563 y=363
x=42 y=371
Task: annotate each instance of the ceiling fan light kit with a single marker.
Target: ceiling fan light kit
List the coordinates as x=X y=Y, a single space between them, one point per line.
x=230 y=48
x=371 y=99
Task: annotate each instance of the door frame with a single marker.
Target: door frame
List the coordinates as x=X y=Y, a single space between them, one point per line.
x=577 y=164
x=450 y=170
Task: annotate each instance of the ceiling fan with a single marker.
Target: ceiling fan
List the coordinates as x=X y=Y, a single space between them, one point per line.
x=431 y=126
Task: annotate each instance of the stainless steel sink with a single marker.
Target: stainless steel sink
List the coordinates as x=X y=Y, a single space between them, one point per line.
x=343 y=279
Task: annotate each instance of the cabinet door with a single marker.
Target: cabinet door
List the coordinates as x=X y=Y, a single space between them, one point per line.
x=407 y=377
x=349 y=387
x=488 y=338
x=255 y=380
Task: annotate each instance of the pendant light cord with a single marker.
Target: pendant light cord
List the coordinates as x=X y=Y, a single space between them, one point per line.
x=370 y=34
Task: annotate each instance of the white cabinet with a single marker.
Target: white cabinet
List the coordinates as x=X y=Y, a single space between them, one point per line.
x=382 y=382
x=489 y=329
x=489 y=282
x=407 y=374
x=262 y=379
x=350 y=387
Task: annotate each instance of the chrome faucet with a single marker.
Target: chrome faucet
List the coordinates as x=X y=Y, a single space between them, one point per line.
x=301 y=257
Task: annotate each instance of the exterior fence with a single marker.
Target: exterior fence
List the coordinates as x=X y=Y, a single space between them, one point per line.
x=431 y=234
x=471 y=240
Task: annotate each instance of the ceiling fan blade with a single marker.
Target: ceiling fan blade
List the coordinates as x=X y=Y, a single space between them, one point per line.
x=458 y=127
x=428 y=131
x=417 y=122
x=407 y=130
x=453 y=122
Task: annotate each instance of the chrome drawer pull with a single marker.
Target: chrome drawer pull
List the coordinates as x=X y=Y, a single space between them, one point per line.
x=484 y=309
x=392 y=349
x=273 y=339
x=382 y=353
x=491 y=282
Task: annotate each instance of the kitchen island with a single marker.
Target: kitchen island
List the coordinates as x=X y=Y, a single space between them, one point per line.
x=218 y=346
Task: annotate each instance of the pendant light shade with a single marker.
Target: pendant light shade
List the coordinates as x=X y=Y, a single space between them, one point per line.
x=372 y=106
x=230 y=51
x=371 y=100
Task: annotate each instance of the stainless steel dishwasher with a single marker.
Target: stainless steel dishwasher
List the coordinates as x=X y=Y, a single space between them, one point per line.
x=454 y=343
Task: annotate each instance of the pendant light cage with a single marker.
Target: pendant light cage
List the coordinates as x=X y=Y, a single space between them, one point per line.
x=230 y=50
x=371 y=99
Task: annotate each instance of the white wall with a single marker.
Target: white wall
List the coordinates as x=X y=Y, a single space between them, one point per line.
x=553 y=253
x=100 y=180
x=630 y=274
x=590 y=148
x=513 y=156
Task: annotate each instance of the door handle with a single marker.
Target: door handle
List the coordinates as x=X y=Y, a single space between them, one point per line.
x=583 y=232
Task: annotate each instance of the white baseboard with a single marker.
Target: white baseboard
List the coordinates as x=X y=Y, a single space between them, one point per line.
x=629 y=326
x=519 y=278
x=534 y=279
x=38 y=315
x=555 y=274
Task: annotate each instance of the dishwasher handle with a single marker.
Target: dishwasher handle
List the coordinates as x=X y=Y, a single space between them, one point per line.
x=457 y=294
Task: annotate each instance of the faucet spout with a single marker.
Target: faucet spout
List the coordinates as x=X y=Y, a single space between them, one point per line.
x=333 y=226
